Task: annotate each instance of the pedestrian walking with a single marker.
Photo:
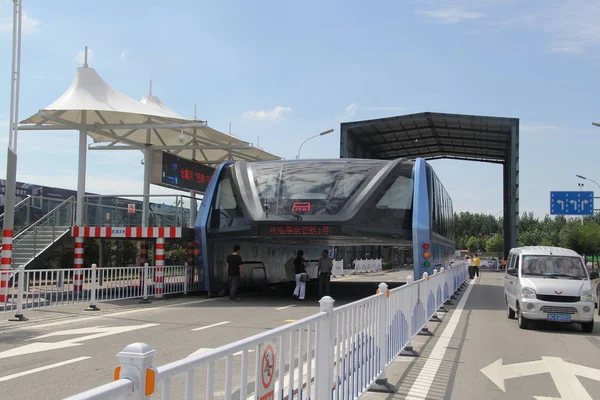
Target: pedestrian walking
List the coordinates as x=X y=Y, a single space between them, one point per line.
x=476 y=264
x=301 y=276
x=325 y=268
x=234 y=272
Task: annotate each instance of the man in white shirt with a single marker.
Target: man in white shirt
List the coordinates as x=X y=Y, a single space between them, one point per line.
x=325 y=267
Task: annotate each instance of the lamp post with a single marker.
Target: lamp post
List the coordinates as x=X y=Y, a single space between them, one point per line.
x=11 y=158
x=320 y=134
x=588 y=179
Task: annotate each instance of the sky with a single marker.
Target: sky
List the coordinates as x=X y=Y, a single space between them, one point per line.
x=280 y=72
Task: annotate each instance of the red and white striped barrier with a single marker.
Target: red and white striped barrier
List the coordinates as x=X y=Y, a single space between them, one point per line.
x=159 y=256
x=6 y=263
x=126 y=232
x=78 y=263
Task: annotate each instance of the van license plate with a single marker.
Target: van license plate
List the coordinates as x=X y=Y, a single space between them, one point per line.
x=559 y=317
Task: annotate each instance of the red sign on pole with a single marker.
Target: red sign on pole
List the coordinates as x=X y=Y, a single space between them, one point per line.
x=267 y=376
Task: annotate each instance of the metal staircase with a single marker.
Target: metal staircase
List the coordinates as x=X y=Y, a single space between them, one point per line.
x=39 y=236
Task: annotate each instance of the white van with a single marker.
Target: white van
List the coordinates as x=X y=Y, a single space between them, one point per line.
x=549 y=283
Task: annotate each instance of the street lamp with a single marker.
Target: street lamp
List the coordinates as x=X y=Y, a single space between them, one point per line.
x=596 y=124
x=320 y=134
x=588 y=179
x=11 y=158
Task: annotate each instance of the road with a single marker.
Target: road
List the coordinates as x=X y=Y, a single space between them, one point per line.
x=478 y=353
x=63 y=351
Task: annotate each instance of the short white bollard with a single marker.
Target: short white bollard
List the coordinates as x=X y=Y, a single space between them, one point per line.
x=135 y=364
x=93 y=306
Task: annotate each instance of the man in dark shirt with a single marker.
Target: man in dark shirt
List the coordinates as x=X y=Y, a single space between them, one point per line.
x=234 y=272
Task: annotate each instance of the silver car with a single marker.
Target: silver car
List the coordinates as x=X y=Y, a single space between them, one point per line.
x=551 y=284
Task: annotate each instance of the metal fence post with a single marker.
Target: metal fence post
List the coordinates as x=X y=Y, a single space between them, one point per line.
x=19 y=315
x=408 y=349
x=93 y=306
x=135 y=364
x=445 y=276
x=145 y=283
x=324 y=351
x=381 y=383
x=435 y=317
x=186 y=273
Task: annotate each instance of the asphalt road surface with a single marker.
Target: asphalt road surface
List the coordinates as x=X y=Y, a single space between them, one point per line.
x=478 y=353
x=63 y=351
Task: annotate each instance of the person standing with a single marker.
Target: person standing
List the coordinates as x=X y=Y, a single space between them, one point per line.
x=300 y=269
x=325 y=267
x=476 y=264
x=234 y=272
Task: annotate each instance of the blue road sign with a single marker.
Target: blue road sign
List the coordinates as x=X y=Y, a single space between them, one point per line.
x=572 y=203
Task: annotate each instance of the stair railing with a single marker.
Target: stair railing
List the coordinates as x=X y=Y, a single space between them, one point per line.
x=61 y=216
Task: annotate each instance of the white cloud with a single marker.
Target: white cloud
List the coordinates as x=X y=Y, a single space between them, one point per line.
x=451 y=15
x=571 y=27
x=351 y=110
x=29 y=25
x=125 y=54
x=267 y=115
x=80 y=57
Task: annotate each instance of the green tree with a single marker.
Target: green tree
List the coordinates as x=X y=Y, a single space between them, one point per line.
x=473 y=244
x=495 y=244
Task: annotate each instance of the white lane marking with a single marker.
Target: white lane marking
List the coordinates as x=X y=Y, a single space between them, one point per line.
x=74 y=319
x=211 y=326
x=46 y=346
x=40 y=369
x=283 y=308
x=205 y=349
x=420 y=389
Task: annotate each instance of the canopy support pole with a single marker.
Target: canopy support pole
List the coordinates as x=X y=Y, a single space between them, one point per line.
x=193 y=209
x=147 y=174
x=81 y=170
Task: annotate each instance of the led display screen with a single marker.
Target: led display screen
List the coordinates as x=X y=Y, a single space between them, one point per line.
x=180 y=173
x=298 y=230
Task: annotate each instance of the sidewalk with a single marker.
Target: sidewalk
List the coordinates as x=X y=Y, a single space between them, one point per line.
x=404 y=370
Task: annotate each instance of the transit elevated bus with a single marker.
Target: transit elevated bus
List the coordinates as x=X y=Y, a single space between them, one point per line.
x=274 y=208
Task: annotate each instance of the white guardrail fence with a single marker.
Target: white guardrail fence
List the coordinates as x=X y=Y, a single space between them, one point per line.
x=33 y=289
x=337 y=353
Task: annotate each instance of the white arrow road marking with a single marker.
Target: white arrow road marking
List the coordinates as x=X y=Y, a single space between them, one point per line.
x=211 y=326
x=101 y=331
x=283 y=308
x=497 y=373
x=205 y=349
x=563 y=374
x=40 y=369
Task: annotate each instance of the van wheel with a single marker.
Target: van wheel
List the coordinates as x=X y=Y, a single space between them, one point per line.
x=510 y=312
x=523 y=322
x=587 y=327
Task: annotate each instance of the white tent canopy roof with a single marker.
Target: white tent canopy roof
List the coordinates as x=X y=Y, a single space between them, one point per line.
x=91 y=99
x=154 y=102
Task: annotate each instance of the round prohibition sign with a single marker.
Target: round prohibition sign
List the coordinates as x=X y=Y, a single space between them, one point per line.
x=268 y=367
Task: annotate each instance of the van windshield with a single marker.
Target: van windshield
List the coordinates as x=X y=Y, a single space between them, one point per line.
x=553 y=267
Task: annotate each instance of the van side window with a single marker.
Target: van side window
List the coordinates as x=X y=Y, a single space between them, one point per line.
x=511 y=265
